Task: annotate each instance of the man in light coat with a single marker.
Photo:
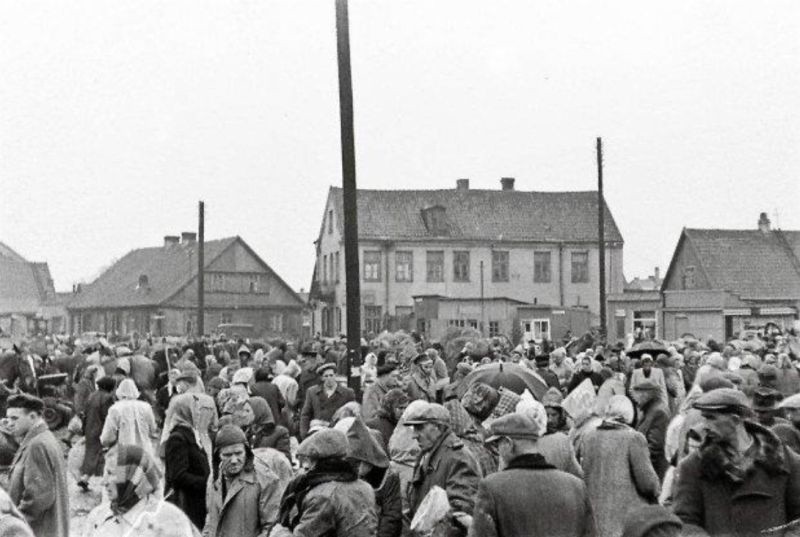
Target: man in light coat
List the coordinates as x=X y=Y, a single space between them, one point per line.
x=38 y=481
x=243 y=500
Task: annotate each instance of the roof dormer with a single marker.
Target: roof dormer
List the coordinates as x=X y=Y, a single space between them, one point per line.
x=435 y=220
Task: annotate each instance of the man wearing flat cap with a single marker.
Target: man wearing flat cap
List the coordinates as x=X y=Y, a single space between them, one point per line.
x=322 y=401
x=652 y=422
x=38 y=481
x=529 y=497
x=444 y=461
x=789 y=433
x=742 y=480
x=373 y=395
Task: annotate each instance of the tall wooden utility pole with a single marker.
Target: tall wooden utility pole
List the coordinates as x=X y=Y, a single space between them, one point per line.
x=351 y=265
x=201 y=270
x=601 y=237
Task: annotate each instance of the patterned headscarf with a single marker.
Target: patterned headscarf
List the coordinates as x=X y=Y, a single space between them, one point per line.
x=136 y=476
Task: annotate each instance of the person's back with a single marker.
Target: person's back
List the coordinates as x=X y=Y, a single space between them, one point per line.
x=554 y=503
x=343 y=509
x=129 y=422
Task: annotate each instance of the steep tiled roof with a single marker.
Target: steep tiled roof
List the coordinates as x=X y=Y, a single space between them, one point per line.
x=167 y=270
x=24 y=286
x=481 y=215
x=750 y=263
x=7 y=252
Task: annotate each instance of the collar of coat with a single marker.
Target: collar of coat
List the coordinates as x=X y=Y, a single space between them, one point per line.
x=768 y=452
x=426 y=463
x=33 y=432
x=529 y=461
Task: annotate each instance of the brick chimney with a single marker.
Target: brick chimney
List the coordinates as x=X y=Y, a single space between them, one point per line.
x=462 y=184
x=763 y=223
x=657 y=275
x=507 y=183
x=171 y=240
x=188 y=237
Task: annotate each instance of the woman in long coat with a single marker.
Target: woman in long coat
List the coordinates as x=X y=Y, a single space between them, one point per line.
x=95 y=416
x=617 y=469
x=186 y=465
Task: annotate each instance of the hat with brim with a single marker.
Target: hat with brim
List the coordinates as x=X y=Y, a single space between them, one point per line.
x=428 y=413
x=723 y=400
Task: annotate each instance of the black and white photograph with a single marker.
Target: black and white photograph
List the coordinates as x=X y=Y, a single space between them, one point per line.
x=400 y=268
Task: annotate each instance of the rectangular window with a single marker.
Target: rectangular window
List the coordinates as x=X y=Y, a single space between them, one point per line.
x=687 y=279
x=499 y=266
x=580 y=267
x=276 y=322
x=541 y=267
x=330 y=221
x=404 y=266
x=460 y=323
x=325 y=268
x=620 y=327
x=337 y=267
x=494 y=328
x=255 y=283
x=435 y=262
x=226 y=318
x=372 y=265
x=217 y=282
x=644 y=325
x=460 y=266
x=473 y=323
x=372 y=319
x=541 y=329
x=338 y=319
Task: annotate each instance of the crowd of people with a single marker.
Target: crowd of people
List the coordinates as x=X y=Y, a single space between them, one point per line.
x=253 y=439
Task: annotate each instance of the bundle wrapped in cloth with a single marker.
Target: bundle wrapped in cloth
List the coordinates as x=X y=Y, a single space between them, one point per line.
x=431 y=517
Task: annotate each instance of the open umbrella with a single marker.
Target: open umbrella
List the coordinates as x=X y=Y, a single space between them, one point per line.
x=511 y=376
x=652 y=347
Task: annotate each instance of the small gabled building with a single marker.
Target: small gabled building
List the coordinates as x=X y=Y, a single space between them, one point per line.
x=462 y=243
x=154 y=290
x=723 y=281
x=28 y=300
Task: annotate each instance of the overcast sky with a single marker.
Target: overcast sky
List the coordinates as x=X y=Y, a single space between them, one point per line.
x=117 y=117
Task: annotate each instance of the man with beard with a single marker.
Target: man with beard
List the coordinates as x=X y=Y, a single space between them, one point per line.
x=445 y=462
x=742 y=480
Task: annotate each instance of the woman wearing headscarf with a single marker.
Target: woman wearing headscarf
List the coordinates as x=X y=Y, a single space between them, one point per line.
x=95 y=416
x=388 y=415
x=372 y=465
x=617 y=469
x=133 y=506
x=186 y=463
x=263 y=432
x=129 y=420
x=12 y=523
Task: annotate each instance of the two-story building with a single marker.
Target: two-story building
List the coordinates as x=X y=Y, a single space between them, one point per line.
x=154 y=290
x=723 y=281
x=466 y=244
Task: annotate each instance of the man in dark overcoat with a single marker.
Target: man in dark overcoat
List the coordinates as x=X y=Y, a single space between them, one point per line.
x=742 y=480
x=324 y=400
x=529 y=497
x=652 y=422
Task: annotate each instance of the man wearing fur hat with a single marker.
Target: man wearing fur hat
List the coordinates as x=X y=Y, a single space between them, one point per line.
x=328 y=498
x=529 y=497
x=742 y=480
x=38 y=481
x=243 y=498
x=444 y=461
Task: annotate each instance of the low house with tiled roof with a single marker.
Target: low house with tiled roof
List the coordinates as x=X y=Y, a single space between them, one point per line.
x=532 y=247
x=28 y=302
x=723 y=281
x=154 y=290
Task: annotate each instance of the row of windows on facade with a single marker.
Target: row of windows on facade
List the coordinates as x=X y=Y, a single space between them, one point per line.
x=434 y=261
x=116 y=322
x=237 y=283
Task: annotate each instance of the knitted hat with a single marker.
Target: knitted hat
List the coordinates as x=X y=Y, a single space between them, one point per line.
x=641 y=521
x=229 y=435
x=324 y=444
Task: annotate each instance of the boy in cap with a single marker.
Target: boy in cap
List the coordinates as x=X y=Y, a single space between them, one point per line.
x=324 y=400
x=444 y=462
x=38 y=481
x=561 y=506
x=742 y=480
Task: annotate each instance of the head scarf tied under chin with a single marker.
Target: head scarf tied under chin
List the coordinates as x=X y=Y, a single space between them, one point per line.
x=127 y=390
x=136 y=476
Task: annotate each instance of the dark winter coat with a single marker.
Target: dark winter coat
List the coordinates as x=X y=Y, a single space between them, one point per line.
x=618 y=474
x=384 y=424
x=318 y=406
x=554 y=503
x=386 y=484
x=580 y=376
x=451 y=466
x=272 y=395
x=653 y=423
x=769 y=496
x=550 y=378
x=95 y=416
x=186 y=469
x=272 y=436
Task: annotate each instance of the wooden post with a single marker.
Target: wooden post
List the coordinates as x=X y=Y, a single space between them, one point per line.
x=201 y=270
x=349 y=194
x=601 y=237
